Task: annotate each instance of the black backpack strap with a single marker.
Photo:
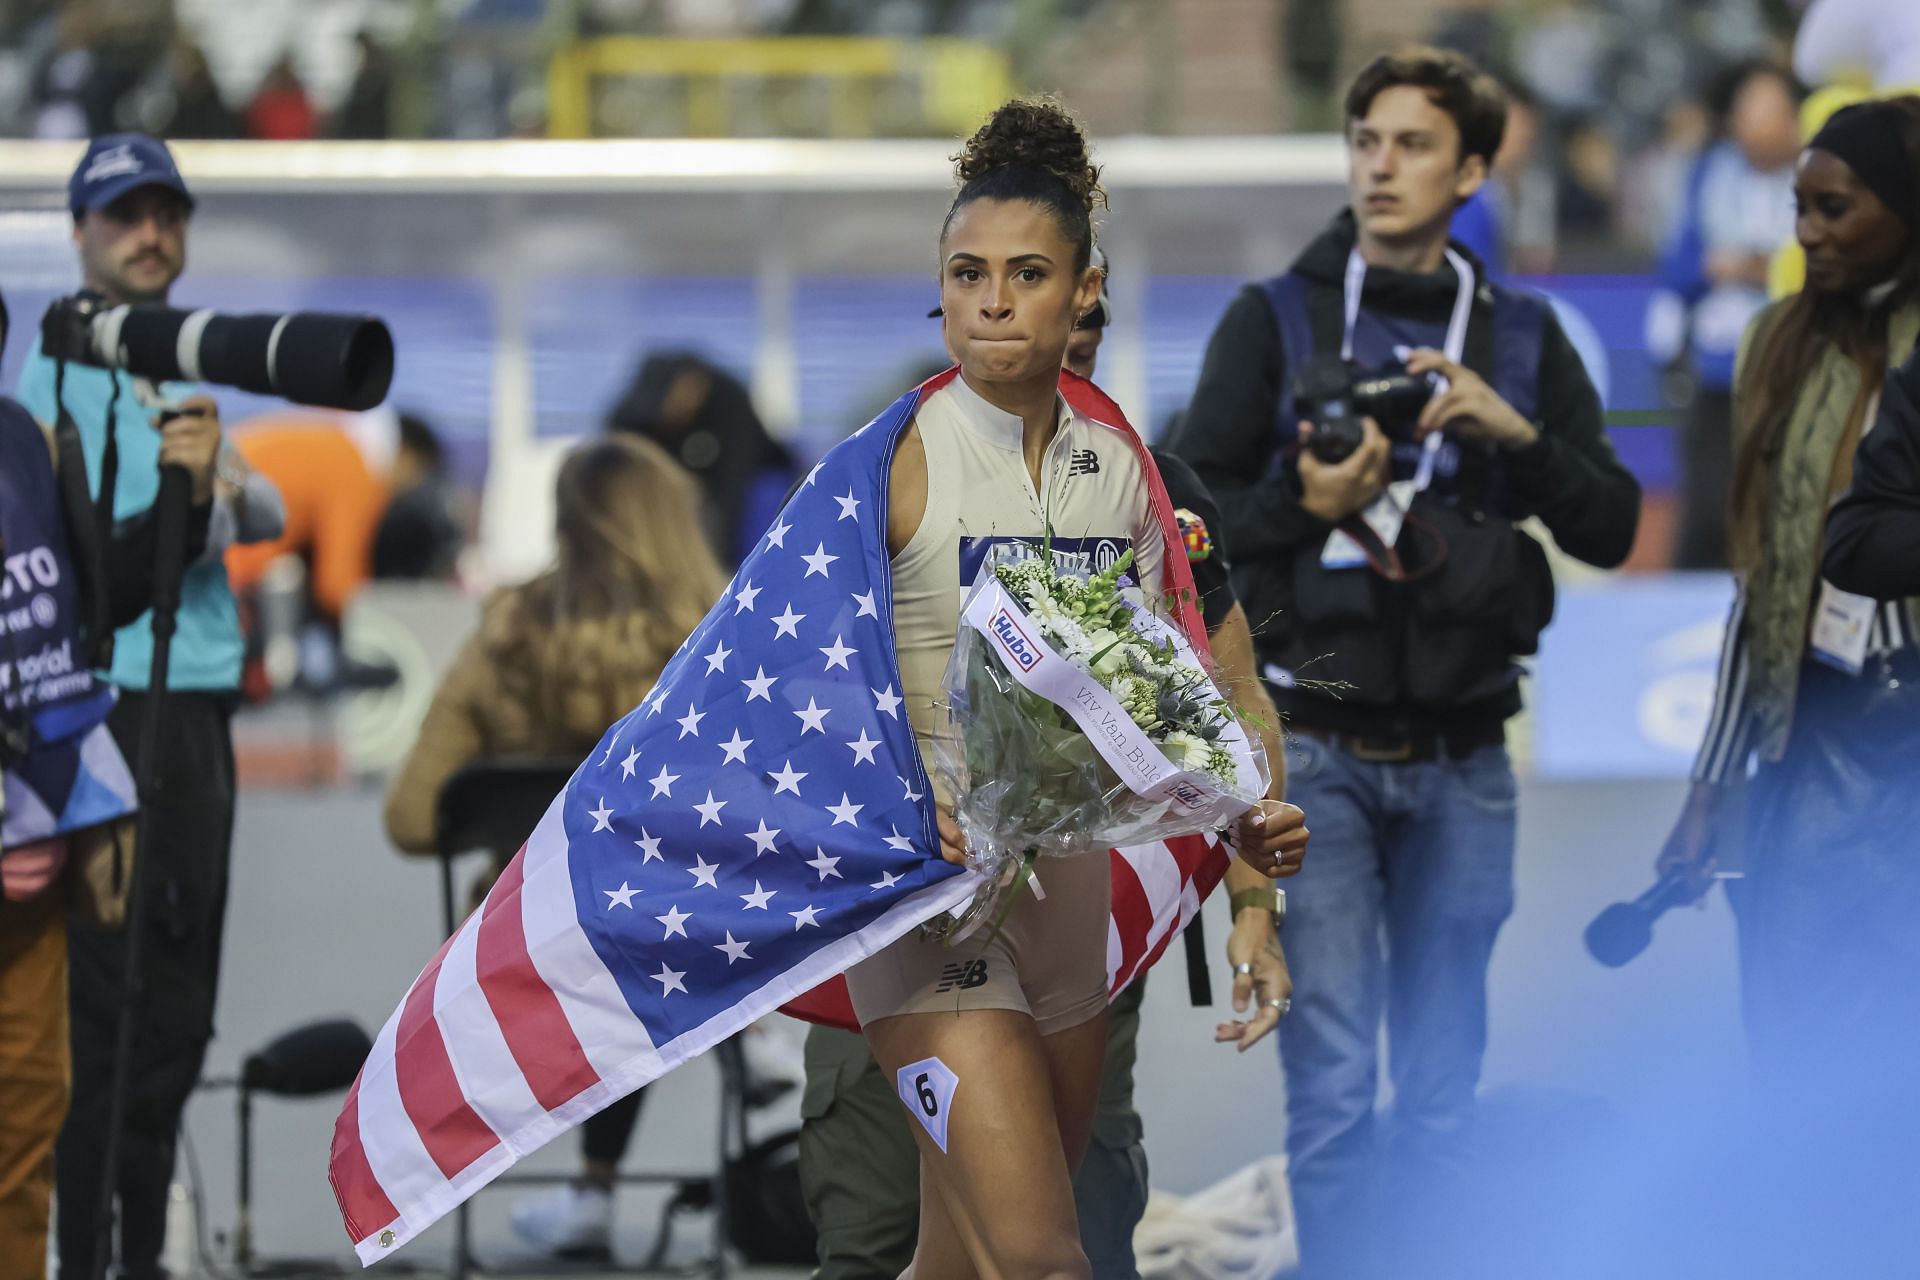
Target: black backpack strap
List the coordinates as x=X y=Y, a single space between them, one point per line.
x=1516 y=339
x=86 y=539
x=1287 y=295
x=1199 y=982
x=1519 y=337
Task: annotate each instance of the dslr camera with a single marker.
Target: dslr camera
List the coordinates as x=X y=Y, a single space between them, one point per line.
x=308 y=357
x=1334 y=396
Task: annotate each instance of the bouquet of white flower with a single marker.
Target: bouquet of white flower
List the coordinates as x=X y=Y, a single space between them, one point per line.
x=1079 y=721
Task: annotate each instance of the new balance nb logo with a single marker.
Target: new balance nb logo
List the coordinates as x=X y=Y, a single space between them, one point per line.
x=1085 y=463
x=964 y=976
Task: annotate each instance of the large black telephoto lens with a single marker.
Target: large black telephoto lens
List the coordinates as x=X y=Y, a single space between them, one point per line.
x=308 y=357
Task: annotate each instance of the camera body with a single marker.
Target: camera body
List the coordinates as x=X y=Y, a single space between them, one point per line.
x=1334 y=396
x=66 y=330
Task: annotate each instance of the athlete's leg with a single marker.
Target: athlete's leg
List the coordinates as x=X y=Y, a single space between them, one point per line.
x=1021 y=1103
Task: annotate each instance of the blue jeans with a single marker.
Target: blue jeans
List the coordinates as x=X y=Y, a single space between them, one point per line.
x=1407 y=881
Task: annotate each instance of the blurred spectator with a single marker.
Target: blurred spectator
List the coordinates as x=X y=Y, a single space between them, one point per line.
x=333 y=504
x=1310 y=49
x=188 y=102
x=349 y=517
x=1655 y=179
x=560 y=658
x=1587 y=182
x=64 y=84
x=281 y=110
x=705 y=419
x=474 y=91
x=419 y=536
x=1870 y=39
x=1737 y=209
x=365 y=113
x=1563 y=55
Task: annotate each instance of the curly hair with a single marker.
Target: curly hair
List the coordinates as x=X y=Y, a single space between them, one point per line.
x=1032 y=149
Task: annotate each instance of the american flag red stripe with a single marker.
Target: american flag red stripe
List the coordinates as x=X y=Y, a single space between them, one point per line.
x=529 y=1014
x=363 y=1204
x=454 y=1133
x=1200 y=862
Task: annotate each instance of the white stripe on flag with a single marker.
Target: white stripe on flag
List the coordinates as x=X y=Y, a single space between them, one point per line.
x=1116 y=950
x=615 y=1041
x=1159 y=872
x=489 y=1076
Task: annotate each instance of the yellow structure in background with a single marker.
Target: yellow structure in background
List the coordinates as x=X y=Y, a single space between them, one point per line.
x=959 y=81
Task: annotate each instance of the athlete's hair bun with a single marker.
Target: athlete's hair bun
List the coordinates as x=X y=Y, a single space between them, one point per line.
x=1033 y=133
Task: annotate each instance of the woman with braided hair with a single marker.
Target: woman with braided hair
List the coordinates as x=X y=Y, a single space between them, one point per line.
x=1002 y=1036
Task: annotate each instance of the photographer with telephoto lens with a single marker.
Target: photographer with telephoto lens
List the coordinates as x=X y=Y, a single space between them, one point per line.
x=68 y=791
x=130 y=212
x=1374 y=424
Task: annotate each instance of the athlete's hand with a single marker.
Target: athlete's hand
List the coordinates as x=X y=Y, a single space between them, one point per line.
x=1271 y=837
x=953 y=844
x=1254 y=942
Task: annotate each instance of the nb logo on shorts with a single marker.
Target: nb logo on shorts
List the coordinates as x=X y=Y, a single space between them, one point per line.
x=1085 y=463
x=964 y=976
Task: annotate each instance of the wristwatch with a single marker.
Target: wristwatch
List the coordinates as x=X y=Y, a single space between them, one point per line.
x=1274 y=900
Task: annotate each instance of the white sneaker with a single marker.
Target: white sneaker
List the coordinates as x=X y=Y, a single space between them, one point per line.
x=569 y=1221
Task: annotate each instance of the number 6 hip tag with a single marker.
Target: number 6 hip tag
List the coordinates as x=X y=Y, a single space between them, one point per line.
x=926 y=1088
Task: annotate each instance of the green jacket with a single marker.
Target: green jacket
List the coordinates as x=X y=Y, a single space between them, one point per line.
x=1780 y=592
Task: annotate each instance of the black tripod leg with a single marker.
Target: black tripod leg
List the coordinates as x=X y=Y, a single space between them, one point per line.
x=170 y=557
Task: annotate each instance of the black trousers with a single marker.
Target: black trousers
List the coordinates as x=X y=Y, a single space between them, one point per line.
x=606 y=1135
x=186 y=865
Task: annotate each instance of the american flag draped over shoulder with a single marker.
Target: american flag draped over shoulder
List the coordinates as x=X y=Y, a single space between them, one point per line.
x=762 y=822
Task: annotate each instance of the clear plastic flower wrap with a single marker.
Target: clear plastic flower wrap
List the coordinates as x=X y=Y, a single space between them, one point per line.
x=1078 y=721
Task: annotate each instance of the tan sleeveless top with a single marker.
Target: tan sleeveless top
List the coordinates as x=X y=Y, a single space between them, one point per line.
x=980 y=493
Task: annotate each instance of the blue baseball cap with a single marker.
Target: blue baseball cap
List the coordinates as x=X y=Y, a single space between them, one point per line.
x=117 y=163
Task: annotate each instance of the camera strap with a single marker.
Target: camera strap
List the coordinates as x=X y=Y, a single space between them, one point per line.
x=1454 y=347
x=1386 y=514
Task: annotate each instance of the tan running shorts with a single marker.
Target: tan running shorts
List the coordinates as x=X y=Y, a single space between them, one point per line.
x=1049 y=960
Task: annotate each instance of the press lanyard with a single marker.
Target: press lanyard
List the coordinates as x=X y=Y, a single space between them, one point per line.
x=1454 y=348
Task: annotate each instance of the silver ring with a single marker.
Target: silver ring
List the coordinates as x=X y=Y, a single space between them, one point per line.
x=1242 y=970
x=1282 y=1003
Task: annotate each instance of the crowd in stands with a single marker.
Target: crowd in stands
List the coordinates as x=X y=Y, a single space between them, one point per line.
x=1618 y=96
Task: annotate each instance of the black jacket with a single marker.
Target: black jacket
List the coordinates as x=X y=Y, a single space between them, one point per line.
x=1436 y=651
x=1873 y=535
